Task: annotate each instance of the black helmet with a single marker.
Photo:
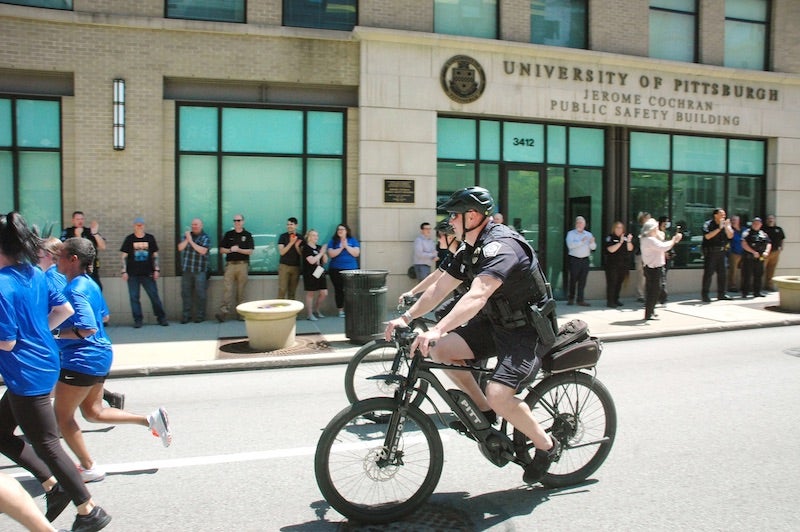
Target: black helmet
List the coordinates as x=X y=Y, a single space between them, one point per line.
x=469 y=199
x=445 y=228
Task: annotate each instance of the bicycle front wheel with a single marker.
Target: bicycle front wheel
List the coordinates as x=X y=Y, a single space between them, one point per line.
x=354 y=473
x=378 y=357
x=577 y=410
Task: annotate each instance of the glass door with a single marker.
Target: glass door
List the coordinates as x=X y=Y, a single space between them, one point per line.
x=534 y=201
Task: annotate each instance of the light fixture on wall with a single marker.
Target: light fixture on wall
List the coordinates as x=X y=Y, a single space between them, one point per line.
x=119 y=114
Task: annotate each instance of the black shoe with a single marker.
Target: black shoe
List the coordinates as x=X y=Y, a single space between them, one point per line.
x=570 y=302
x=744 y=295
x=137 y=325
x=620 y=304
x=535 y=471
x=220 y=317
x=184 y=321
x=163 y=322
x=640 y=299
x=56 y=500
x=97 y=519
x=706 y=299
x=724 y=297
x=116 y=400
x=759 y=294
x=199 y=320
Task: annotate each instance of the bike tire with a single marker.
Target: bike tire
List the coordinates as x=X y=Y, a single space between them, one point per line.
x=381 y=354
x=578 y=410
x=355 y=484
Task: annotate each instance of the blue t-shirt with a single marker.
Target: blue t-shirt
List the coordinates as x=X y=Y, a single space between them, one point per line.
x=344 y=260
x=32 y=366
x=56 y=281
x=93 y=354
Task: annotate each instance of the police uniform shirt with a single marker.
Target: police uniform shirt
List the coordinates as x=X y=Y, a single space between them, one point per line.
x=619 y=257
x=757 y=240
x=496 y=253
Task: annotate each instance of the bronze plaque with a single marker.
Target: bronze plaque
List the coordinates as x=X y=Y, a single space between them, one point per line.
x=398 y=191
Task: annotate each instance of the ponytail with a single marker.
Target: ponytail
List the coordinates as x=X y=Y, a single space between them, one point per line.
x=17 y=241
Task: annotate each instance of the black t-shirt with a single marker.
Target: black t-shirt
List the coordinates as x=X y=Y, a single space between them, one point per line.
x=291 y=257
x=69 y=232
x=776 y=236
x=140 y=252
x=717 y=241
x=618 y=258
x=244 y=240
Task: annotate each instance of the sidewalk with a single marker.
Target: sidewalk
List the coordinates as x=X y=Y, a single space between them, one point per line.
x=195 y=347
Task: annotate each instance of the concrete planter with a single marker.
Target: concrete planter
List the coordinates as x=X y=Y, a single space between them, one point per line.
x=270 y=323
x=789 y=292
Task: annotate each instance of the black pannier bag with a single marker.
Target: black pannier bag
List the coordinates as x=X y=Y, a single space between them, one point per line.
x=573 y=349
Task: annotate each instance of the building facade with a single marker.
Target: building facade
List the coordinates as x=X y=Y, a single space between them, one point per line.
x=370 y=112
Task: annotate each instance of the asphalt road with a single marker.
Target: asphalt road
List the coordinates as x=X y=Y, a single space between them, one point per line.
x=707 y=440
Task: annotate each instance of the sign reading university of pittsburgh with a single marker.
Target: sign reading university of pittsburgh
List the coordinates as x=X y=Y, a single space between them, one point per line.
x=463 y=79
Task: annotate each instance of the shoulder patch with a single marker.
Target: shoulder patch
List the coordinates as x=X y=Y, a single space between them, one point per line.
x=491 y=249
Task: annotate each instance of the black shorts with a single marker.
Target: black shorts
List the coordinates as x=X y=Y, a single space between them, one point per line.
x=73 y=378
x=515 y=349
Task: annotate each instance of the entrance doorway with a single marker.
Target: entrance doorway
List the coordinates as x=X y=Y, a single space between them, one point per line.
x=534 y=201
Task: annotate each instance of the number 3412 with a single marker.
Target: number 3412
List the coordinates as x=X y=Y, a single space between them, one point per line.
x=524 y=142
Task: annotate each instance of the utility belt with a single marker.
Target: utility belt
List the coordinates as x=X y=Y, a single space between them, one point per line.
x=715 y=249
x=538 y=317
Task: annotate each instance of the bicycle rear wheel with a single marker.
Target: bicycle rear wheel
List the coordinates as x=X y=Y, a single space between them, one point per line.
x=354 y=475
x=376 y=358
x=578 y=411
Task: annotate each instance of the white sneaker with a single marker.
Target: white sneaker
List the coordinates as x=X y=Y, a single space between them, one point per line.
x=159 y=425
x=93 y=474
x=319 y=314
x=311 y=317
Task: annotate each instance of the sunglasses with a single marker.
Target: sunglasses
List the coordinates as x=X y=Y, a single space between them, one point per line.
x=238 y=220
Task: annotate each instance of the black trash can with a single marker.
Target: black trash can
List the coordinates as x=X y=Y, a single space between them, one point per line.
x=365 y=304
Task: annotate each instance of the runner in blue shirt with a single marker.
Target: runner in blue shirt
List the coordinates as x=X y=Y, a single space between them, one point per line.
x=29 y=365
x=86 y=357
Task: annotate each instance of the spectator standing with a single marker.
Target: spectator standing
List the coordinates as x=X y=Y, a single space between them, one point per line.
x=29 y=365
x=315 y=279
x=289 y=248
x=580 y=244
x=447 y=243
x=637 y=260
x=425 y=254
x=92 y=235
x=343 y=250
x=716 y=233
x=757 y=249
x=86 y=358
x=140 y=269
x=194 y=263
x=498 y=218
x=654 y=259
x=735 y=255
x=776 y=237
x=663 y=226
x=237 y=245
x=618 y=247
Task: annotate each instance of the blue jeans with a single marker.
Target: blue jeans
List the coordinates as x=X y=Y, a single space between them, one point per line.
x=194 y=282
x=422 y=271
x=149 y=284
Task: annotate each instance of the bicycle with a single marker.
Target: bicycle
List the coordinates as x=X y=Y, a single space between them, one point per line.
x=379 y=459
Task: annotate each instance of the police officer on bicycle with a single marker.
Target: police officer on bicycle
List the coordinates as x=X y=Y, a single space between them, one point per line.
x=505 y=283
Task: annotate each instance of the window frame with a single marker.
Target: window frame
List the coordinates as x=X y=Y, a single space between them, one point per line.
x=243 y=21
x=696 y=37
x=767 y=35
x=496 y=23
x=216 y=263
x=284 y=21
x=32 y=3
x=17 y=151
x=586 y=15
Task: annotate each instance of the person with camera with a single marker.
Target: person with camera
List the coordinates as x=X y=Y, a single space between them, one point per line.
x=654 y=260
x=505 y=281
x=716 y=233
x=618 y=247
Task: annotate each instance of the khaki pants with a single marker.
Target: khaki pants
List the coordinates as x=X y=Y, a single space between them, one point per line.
x=235 y=279
x=769 y=268
x=734 y=275
x=288 y=278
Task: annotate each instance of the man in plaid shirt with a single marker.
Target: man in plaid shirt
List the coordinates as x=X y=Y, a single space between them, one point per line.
x=194 y=263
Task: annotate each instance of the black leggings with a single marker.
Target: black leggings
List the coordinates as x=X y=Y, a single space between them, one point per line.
x=44 y=456
x=338 y=286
